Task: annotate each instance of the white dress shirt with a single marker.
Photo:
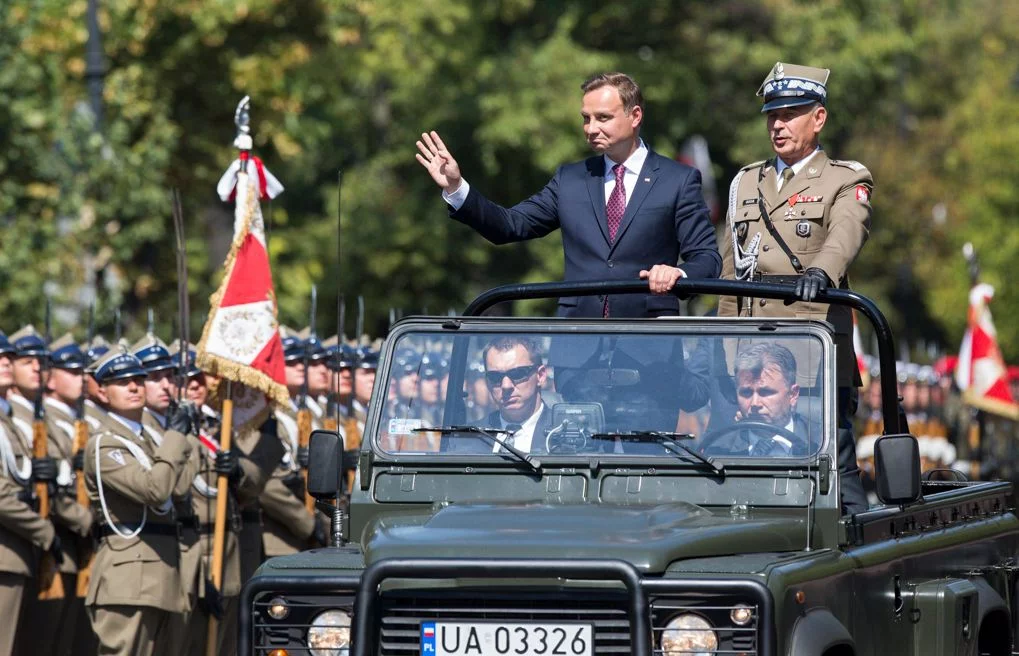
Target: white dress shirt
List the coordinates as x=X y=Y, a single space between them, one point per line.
x=780 y=166
x=634 y=163
x=523 y=437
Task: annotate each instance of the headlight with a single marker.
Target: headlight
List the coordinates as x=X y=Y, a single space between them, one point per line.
x=741 y=615
x=278 y=609
x=329 y=634
x=689 y=634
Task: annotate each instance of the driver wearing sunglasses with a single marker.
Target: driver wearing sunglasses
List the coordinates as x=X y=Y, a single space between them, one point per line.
x=515 y=376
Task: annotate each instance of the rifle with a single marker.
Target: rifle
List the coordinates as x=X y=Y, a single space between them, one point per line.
x=303 y=412
x=332 y=421
x=80 y=440
x=352 y=435
x=51 y=584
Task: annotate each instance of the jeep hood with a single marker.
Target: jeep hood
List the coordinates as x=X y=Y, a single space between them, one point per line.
x=648 y=537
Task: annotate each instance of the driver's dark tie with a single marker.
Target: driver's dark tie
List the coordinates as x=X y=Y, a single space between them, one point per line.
x=512 y=428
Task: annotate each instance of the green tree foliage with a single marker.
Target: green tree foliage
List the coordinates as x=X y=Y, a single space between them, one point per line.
x=921 y=91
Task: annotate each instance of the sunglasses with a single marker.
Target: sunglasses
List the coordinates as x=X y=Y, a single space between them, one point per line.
x=517 y=374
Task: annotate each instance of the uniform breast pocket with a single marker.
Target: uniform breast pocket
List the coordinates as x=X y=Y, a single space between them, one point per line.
x=805 y=227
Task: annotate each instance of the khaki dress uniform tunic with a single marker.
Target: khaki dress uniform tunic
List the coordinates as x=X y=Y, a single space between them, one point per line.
x=22 y=532
x=136 y=592
x=286 y=524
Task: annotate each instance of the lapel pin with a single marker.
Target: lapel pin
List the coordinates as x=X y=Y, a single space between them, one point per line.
x=647 y=179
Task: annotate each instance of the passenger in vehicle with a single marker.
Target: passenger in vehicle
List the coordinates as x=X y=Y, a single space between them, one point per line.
x=515 y=374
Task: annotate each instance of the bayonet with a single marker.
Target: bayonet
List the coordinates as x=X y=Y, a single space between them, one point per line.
x=183 y=305
x=359 y=328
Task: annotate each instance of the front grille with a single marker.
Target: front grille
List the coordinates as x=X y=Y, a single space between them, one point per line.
x=732 y=638
x=401 y=614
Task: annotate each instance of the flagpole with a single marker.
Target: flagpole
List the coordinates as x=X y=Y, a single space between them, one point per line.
x=219 y=530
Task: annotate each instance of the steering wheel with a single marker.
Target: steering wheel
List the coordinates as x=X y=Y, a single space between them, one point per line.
x=711 y=437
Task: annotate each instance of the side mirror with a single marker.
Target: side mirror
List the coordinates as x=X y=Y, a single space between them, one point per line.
x=897 y=464
x=325 y=454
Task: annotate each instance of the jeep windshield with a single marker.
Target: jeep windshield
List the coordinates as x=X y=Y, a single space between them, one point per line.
x=560 y=388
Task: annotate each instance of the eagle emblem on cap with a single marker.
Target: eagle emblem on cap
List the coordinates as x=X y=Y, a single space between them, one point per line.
x=779 y=71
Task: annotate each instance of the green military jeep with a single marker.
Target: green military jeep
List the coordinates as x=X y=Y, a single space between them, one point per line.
x=632 y=486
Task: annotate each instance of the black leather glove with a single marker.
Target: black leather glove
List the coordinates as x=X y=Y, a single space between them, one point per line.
x=811 y=282
x=302 y=456
x=295 y=483
x=56 y=551
x=212 y=602
x=44 y=469
x=78 y=461
x=183 y=418
x=268 y=428
x=227 y=463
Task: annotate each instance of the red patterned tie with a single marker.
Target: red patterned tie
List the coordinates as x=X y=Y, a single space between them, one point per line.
x=616 y=206
x=614 y=211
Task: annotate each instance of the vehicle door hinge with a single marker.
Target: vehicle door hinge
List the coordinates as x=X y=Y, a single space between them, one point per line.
x=364 y=467
x=824 y=474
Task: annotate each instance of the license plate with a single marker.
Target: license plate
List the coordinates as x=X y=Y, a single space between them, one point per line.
x=505 y=639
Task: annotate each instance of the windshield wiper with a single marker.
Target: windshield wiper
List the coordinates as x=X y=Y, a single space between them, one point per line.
x=489 y=435
x=667 y=440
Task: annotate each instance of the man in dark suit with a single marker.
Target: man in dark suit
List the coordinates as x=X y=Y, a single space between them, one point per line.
x=626 y=212
x=767 y=393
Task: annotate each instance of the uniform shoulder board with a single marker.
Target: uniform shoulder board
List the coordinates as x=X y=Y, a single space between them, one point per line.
x=848 y=163
x=754 y=165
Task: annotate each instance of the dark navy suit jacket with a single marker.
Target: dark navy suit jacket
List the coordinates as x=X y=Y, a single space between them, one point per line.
x=665 y=218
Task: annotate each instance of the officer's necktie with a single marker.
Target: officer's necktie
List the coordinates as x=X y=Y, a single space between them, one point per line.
x=787 y=175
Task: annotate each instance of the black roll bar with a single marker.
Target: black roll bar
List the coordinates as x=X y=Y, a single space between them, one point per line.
x=685 y=288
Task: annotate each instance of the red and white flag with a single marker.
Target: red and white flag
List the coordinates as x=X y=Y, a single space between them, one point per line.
x=241 y=339
x=981 y=372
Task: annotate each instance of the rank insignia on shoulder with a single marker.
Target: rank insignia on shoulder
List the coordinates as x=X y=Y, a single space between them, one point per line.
x=749 y=201
x=803 y=229
x=848 y=163
x=117 y=457
x=862 y=194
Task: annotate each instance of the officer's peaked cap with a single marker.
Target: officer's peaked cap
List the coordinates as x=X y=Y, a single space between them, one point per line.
x=190 y=368
x=27 y=342
x=6 y=348
x=66 y=354
x=789 y=85
x=117 y=364
x=95 y=349
x=293 y=345
x=153 y=354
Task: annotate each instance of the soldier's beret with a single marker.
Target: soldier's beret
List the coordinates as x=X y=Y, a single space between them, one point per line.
x=153 y=353
x=789 y=85
x=66 y=354
x=27 y=342
x=117 y=364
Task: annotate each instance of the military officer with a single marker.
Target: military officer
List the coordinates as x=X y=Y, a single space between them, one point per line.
x=365 y=368
x=136 y=596
x=287 y=525
x=73 y=522
x=23 y=533
x=802 y=216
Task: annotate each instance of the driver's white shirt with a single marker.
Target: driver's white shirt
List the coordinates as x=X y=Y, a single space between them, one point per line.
x=523 y=437
x=784 y=441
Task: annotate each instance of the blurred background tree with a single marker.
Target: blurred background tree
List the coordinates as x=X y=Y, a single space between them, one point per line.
x=922 y=91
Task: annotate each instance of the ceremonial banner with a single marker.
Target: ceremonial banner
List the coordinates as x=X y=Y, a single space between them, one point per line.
x=241 y=340
x=981 y=372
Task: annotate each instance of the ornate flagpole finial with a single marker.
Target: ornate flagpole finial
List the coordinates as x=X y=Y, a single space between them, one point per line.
x=242 y=119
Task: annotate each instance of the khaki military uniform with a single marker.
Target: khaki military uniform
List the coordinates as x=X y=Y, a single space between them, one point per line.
x=73 y=524
x=286 y=524
x=136 y=595
x=22 y=531
x=256 y=464
x=823 y=215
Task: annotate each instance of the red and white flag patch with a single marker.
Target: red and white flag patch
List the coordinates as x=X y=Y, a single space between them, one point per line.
x=862 y=194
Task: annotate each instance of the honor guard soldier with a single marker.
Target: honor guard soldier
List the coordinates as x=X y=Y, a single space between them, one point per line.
x=136 y=596
x=73 y=522
x=340 y=359
x=287 y=525
x=365 y=368
x=802 y=217
x=247 y=465
x=318 y=376
x=23 y=533
x=94 y=413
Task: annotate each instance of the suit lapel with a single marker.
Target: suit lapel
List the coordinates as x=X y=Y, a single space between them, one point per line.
x=596 y=190
x=645 y=181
